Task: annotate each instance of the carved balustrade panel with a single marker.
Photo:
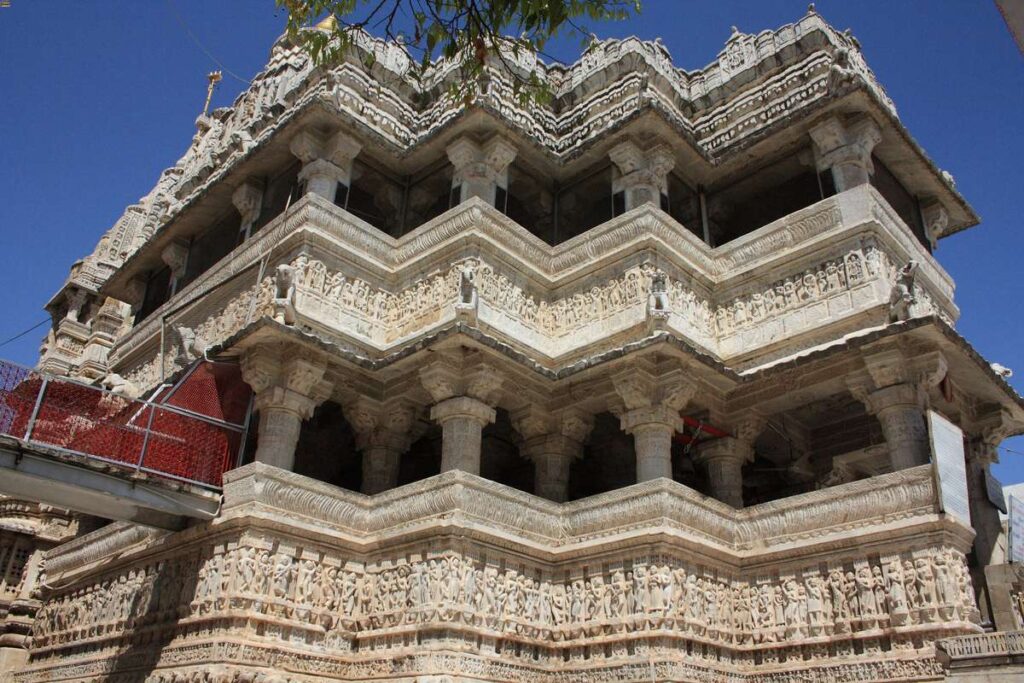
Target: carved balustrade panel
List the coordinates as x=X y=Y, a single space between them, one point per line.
x=771 y=286
x=309 y=602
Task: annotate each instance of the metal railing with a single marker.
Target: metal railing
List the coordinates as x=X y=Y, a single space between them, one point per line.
x=191 y=432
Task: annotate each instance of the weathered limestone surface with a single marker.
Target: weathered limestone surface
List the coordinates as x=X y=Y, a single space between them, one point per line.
x=788 y=359
x=313 y=583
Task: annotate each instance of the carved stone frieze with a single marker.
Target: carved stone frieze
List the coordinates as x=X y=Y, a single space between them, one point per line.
x=310 y=604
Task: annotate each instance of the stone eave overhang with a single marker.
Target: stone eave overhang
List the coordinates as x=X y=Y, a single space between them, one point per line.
x=266 y=329
x=928 y=328
x=147 y=257
x=966 y=360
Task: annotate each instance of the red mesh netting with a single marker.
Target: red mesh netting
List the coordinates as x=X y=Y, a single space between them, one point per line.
x=96 y=423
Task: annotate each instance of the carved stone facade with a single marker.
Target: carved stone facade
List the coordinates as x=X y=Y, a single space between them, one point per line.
x=289 y=597
x=630 y=385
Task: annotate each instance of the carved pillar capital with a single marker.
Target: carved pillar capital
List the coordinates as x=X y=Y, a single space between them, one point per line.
x=175 y=257
x=384 y=430
x=444 y=378
x=894 y=390
x=643 y=173
x=480 y=169
x=325 y=161
x=552 y=440
x=990 y=430
x=898 y=408
x=846 y=149
x=381 y=423
x=134 y=292
x=463 y=407
x=248 y=199
x=652 y=405
x=659 y=415
x=288 y=386
x=936 y=220
x=639 y=387
x=723 y=459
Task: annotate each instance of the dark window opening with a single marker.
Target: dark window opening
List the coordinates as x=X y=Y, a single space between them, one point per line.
x=827 y=182
x=279 y=194
x=618 y=203
x=768 y=195
x=423 y=459
x=341 y=195
x=429 y=195
x=499 y=455
x=375 y=198
x=684 y=205
x=210 y=247
x=158 y=291
x=902 y=202
x=608 y=462
x=584 y=203
x=501 y=199
x=326 y=450
x=528 y=201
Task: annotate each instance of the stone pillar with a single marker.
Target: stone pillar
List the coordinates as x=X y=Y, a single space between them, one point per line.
x=552 y=440
x=845 y=148
x=480 y=170
x=465 y=396
x=384 y=431
x=723 y=459
x=898 y=409
x=248 y=199
x=643 y=174
x=325 y=162
x=462 y=420
x=652 y=403
x=288 y=386
x=102 y=334
x=652 y=429
x=993 y=577
x=895 y=392
x=60 y=354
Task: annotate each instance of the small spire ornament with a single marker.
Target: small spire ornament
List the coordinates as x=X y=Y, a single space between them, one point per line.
x=213 y=79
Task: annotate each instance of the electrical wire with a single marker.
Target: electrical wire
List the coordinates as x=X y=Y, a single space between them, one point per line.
x=199 y=44
x=22 y=334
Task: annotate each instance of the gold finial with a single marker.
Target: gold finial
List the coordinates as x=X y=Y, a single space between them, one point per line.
x=329 y=23
x=214 y=78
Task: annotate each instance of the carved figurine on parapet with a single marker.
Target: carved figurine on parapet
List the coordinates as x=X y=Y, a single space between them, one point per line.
x=284 y=294
x=658 y=306
x=841 y=72
x=902 y=297
x=469 y=299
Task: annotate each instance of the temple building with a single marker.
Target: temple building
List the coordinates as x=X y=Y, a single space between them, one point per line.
x=652 y=381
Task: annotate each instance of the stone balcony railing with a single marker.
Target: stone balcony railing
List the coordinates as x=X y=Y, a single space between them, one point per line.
x=810 y=277
x=982 y=649
x=326 y=581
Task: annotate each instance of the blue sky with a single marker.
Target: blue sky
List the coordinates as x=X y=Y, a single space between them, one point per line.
x=96 y=98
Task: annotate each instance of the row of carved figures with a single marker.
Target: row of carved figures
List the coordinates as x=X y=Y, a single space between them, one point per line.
x=469 y=279
x=310 y=285
x=851 y=672
x=930 y=587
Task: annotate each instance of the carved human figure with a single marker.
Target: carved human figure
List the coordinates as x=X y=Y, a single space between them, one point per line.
x=897 y=593
x=902 y=296
x=866 y=595
x=284 y=294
